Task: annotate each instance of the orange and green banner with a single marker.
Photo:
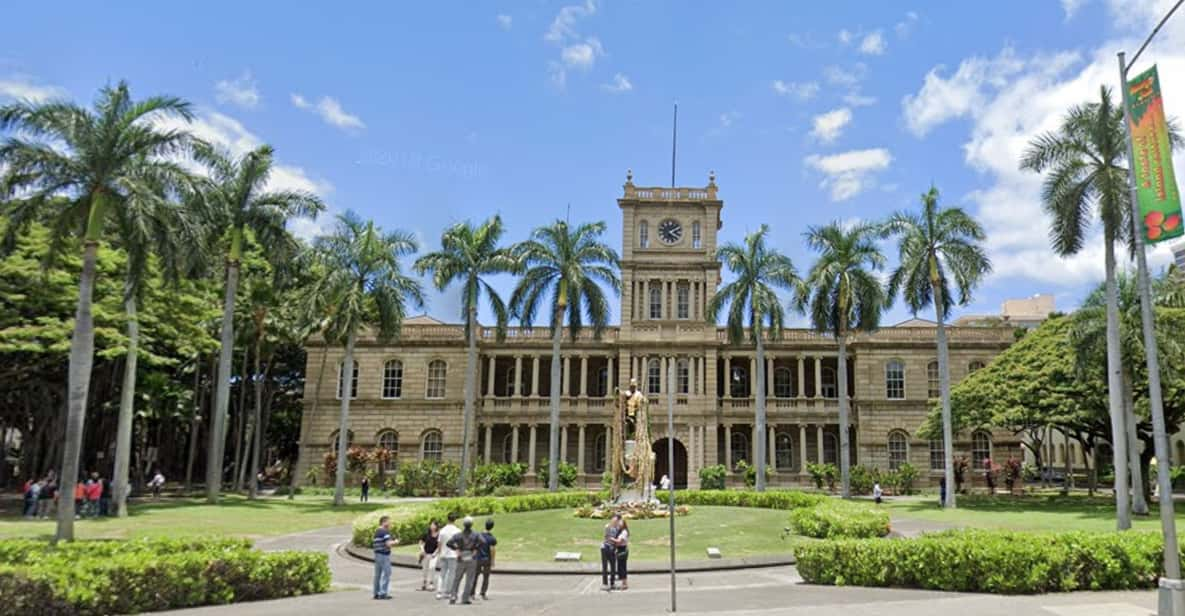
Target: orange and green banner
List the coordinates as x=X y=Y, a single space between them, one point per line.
x=1156 y=186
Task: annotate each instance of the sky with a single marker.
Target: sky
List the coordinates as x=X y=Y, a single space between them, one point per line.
x=423 y=115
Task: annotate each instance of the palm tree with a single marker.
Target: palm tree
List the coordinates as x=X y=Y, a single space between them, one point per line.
x=1084 y=158
x=567 y=266
x=938 y=248
x=842 y=294
x=103 y=161
x=467 y=255
x=239 y=203
x=753 y=299
x=365 y=284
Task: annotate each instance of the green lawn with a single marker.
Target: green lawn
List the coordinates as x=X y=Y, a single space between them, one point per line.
x=536 y=536
x=236 y=517
x=1033 y=513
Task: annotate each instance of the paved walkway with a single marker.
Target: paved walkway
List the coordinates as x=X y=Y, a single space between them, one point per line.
x=777 y=591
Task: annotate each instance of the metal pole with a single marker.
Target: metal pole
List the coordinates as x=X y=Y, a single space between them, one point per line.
x=674 y=142
x=671 y=387
x=1172 y=590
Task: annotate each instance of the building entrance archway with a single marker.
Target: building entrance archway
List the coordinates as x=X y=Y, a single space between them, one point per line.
x=679 y=476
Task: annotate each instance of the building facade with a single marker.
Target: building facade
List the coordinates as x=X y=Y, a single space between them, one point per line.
x=408 y=394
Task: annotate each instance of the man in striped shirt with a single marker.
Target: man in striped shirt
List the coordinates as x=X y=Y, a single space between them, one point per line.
x=382 y=558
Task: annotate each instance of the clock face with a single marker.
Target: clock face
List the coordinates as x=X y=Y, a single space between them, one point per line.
x=670 y=231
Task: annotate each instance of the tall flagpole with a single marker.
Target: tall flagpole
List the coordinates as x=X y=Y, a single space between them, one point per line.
x=674 y=142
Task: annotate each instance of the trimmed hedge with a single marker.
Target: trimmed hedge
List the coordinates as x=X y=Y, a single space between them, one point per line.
x=773 y=499
x=989 y=561
x=835 y=519
x=107 y=577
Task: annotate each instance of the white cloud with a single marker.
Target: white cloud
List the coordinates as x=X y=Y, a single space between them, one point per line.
x=582 y=55
x=873 y=44
x=21 y=87
x=849 y=173
x=563 y=27
x=505 y=21
x=241 y=92
x=848 y=78
x=331 y=111
x=829 y=126
x=1071 y=7
x=576 y=51
x=856 y=99
x=724 y=123
x=905 y=27
x=803 y=91
x=845 y=36
x=620 y=84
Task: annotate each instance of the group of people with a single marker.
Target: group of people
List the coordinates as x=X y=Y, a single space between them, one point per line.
x=615 y=554
x=92 y=497
x=451 y=559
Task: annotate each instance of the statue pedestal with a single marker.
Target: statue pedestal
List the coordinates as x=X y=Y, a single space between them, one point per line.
x=629 y=449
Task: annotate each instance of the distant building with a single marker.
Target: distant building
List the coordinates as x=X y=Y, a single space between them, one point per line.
x=1026 y=312
x=1179 y=255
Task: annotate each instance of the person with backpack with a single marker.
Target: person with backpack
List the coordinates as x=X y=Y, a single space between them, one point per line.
x=466 y=543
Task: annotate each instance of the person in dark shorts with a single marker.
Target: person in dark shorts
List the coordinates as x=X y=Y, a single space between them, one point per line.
x=485 y=556
x=609 y=553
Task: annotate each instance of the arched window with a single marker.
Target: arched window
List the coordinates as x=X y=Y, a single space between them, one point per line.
x=643 y=234
x=655 y=299
x=696 y=239
x=783 y=383
x=784 y=451
x=933 y=386
x=973 y=366
x=341 y=368
x=829 y=383
x=895 y=380
x=937 y=456
x=601 y=387
x=393 y=379
x=333 y=440
x=1061 y=454
x=437 y=376
x=653 y=376
x=389 y=440
x=511 y=386
x=898 y=449
x=683 y=375
x=508 y=447
x=432 y=447
x=598 y=462
x=739 y=382
x=740 y=448
x=981 y=448
x=830 y=448
x=682 y=300
x=1180 y=452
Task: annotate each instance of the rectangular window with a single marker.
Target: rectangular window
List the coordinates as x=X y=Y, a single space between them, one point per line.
x=937 y=456
x=655 y=300
x=643 y=235
x=341 y=369
x=895 y=380
x=683 y=301
x=437 y=372
x=696 y=240
x=393 y=379
x=654 y=376
x=684 y=376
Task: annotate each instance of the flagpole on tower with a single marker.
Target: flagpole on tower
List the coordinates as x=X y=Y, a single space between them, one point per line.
x=674 y=143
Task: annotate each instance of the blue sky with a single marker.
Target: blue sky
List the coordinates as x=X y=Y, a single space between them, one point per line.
x=421 y=115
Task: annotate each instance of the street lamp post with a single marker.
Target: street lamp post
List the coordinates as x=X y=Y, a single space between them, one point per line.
x=672 y=387
x=1171 y=588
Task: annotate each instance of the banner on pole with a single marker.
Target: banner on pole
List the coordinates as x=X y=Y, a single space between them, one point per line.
x=1156 y=185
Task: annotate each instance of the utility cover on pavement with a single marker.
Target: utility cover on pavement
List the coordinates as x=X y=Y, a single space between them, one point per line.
x=567 y=556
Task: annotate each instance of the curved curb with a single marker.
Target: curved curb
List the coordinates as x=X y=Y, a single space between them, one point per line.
x=590 y=568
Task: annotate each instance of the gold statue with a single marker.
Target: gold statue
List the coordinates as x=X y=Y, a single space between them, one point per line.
x=631 y=422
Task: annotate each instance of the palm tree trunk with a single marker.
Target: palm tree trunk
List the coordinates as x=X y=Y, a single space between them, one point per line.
x=241 y=422
x=841 y=375
x=195 y=425
x=316 y=403
x=257 y=422
x=1115 y=389
x=759 y=456
x=470 y=389
x=343 y=429
x=82 y=356
x=948 y=442
x=1139 y=503
x=127 y=402
x=222 y=386
x=553 y=436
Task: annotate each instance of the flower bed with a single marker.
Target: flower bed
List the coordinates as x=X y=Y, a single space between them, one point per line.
x=989 y=561
x=630 y=511
x=108 y=577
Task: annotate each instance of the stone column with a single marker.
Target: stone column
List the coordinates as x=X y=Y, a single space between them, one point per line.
x=644 y=376
x=519 y=390
x=583 y=376
x=801 y=377
x=563 y=443
x=770 y=448
x=663 y=386
x=531 y=452
x=535 y=375
x=645 y=300
x=818 y=377
x=753 y=376
x=728 y=447
x=819 y=443
x=609 y=448
x=489 y=442
x=801 y=448
x=728 y=376
x=610 y=378
x=490 y=376
x=769 y=377
x=566 y=377
x=580 y=449
x=514 y=444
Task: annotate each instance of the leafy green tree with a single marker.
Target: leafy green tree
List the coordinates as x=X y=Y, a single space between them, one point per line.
x=365 y=283
x=938 y=248
x=468 y=255
x=752 y=299
x=238 y=202
x=564 y=268
x=842 y=294
x=107 y=162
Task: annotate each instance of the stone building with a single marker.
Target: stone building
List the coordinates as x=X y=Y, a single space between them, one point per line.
x=408 y=394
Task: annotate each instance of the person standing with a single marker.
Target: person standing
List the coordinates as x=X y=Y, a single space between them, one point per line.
x=31 y=493
x=466 y=543
x=105 y=497
x=382 y=558
x=877 y=492
x=609 y=553
x=622 y=545
x=47 y=498
x=365 y=489
x=429 y=544
x=485 y=556
x=158 y=482
x=446 y=557
x=79 y=499
x=94 y=492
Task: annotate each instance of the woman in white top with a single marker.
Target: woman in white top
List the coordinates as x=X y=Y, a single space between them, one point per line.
x=623 y=553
